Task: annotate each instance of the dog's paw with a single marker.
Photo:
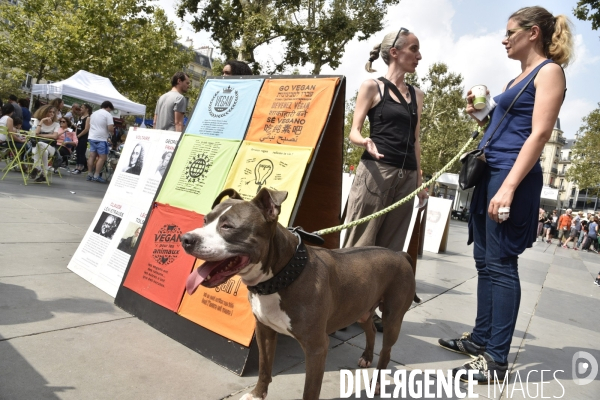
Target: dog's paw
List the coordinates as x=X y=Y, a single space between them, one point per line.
x=249 y=396
x=363 y=363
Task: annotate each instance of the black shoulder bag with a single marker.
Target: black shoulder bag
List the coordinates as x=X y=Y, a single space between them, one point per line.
x=474 y=162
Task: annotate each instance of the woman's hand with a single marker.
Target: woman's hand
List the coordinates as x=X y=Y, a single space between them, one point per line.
x=503 y=198
x=471 y=109
x=372 y=149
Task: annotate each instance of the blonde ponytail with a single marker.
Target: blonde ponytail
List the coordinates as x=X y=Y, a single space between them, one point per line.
x=560 y=48
x=373 y=55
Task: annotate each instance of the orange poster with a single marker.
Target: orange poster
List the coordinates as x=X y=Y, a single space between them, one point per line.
x=292 y=111
x=224 y=309
x=161 y=266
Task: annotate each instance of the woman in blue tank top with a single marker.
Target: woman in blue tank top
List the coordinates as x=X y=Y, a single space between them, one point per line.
x=542 y=44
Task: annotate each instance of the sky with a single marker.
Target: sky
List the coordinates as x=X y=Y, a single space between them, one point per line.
x=467 y=36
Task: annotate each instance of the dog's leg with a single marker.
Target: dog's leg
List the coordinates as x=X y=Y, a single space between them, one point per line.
x=367 y=356
x=266 y=339
x=392 y=320
x=315 y=351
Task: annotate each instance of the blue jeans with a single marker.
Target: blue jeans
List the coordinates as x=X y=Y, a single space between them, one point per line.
x=498 y=285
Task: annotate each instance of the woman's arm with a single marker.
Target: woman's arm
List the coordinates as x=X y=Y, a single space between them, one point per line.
x=364 y=101
x=420 y=96
x=550 y=86
x=86 y=129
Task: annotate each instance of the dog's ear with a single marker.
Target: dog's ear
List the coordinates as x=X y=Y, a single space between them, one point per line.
x=231 y=193
x=269 y=202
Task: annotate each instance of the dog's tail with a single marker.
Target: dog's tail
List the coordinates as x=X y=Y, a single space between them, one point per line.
x=416 y=299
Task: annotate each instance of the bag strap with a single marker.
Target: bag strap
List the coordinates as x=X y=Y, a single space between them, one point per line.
x=394 y=89
x=509 y=107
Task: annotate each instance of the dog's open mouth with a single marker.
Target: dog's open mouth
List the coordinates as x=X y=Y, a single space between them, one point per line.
x=213 y=273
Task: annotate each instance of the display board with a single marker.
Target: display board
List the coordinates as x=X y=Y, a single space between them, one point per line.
x=104 y=253
x=309 y=168
x=438 y=224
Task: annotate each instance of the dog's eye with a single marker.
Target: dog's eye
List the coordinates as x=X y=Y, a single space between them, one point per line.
x=226 y=226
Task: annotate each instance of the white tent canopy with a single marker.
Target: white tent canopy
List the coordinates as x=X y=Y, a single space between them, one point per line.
x=90 y=87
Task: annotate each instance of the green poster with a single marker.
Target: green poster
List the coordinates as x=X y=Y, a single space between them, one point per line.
x=198 y=172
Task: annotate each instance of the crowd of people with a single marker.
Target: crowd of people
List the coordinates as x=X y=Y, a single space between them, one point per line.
x=580 y=229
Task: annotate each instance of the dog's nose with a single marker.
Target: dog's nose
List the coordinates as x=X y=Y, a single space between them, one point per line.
x=188 y=241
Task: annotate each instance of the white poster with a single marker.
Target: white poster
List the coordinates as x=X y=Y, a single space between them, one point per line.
x=104 y=252
x=438 y=217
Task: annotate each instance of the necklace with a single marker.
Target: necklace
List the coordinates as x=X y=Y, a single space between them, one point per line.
x=405 y=92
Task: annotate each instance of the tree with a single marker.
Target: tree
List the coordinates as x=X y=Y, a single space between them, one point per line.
x=445 y=127
x=585 y=166
x=128 y=41
x=311 y=31
x=588 y=10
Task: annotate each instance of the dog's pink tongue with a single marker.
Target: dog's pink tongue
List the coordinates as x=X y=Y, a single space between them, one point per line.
x=197 y=277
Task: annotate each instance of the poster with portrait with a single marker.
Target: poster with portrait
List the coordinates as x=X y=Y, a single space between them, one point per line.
x=111 y=239
x=276 y=167
x=224 y=108
x=198 y=172
x=292 y=111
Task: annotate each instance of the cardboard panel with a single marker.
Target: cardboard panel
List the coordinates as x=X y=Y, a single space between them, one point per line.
x=197 y=172
x=224 y=108
x=161 y=266
x=104 y=252
x=292 y=111
x=276 y=167
x=224 y=310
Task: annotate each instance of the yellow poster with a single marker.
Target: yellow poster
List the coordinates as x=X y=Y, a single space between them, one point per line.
x=292 y=111
x=273 y=166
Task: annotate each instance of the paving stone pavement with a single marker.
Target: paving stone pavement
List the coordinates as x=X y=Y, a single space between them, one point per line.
x=62 y=338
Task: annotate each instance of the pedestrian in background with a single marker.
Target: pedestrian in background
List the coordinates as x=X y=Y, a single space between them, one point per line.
x=24 y=104
x=18 y=113
x=564 y=226
x=102 y=127
x=171 y=106
x=82 y=129
x=541 y=43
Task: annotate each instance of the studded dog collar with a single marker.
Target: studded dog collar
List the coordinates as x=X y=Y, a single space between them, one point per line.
x=287 y=275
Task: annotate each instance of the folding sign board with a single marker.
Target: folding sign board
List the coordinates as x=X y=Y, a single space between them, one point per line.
x=224 y=108
x=218 y=322
x=197 y=173
x=110 y=241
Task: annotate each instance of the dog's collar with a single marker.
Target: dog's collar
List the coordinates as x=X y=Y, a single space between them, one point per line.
x=287 y=275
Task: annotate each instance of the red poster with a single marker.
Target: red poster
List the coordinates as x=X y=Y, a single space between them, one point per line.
x=161 y=266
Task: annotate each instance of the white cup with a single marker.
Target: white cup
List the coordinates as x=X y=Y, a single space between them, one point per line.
x=480 y=92
x=503 y=213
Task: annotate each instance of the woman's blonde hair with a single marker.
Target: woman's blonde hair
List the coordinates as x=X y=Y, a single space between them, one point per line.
x=557 y=39
x=384 y=47
x=43 y=111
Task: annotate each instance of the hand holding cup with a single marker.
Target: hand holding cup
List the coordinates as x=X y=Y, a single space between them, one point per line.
x=479 y=93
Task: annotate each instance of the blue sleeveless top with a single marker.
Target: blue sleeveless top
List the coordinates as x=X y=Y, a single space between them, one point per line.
x=514 y=130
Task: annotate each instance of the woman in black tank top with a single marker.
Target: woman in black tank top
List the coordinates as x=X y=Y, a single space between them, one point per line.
x=390 y=166
x=83 y=127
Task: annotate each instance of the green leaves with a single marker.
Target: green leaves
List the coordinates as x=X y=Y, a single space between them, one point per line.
x=588 y=10
x=312 y=31
x=585 y=166
x=128 y=41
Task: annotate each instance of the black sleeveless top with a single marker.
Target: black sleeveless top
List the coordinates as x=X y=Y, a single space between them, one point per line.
x=81 y=125
x=393 y=128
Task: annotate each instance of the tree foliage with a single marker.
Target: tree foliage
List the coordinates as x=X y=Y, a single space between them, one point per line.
x=445 y=126
x=585 y=156
x=128 y=41
x=312 y=31
x=588 y=10
x=352 y=153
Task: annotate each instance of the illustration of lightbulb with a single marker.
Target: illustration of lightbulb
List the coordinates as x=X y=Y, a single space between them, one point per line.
x=263 y=169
